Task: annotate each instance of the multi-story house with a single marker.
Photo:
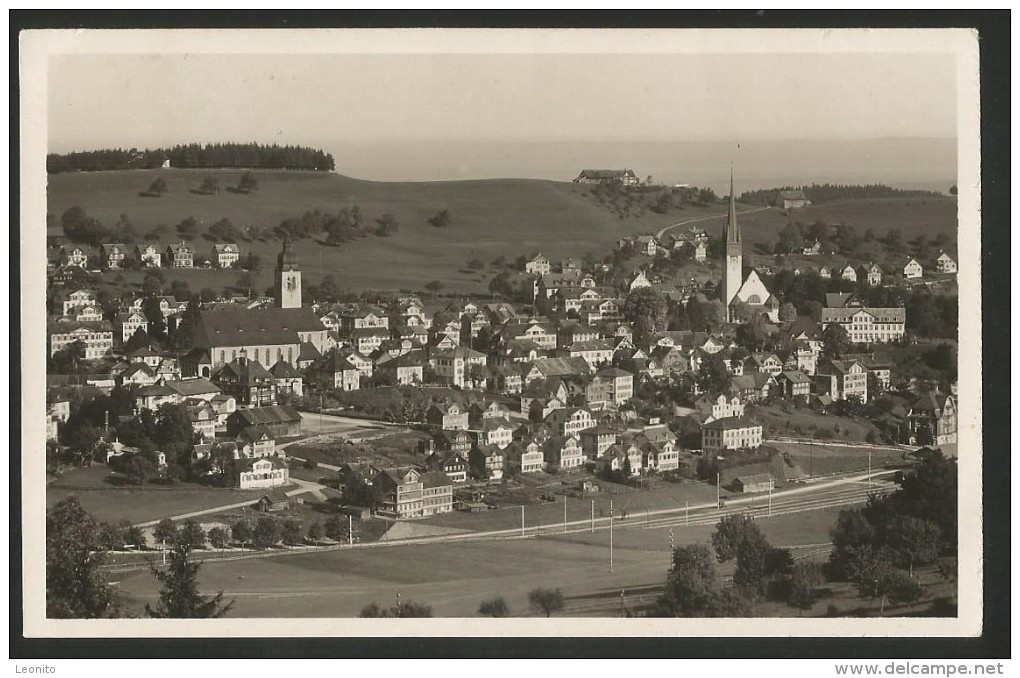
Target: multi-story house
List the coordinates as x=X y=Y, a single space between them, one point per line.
x=659 y=457
x=447 y=417
x=794 y=384
x=148 y=256
x=596 y=352
x=570 y=420
x=564 y=453
x=407 y=493
x=96 y=338
x=731 y=433
x=74 y=256
x=621 y=385
x=247 y=380
x=462 y=367
x=453 y=464
x=718 y=406
x=866 y=325
x=842 y=379
x=495 y=431
x=253 y=474
x=111 y=255
x=225 y=255
x=129 y=322
x=934 y=415
x=363 y=317
x=488 y=461
x=945 y=263
x=256 y=442
x=181 y=255
x=529 y=458
x=912 y=269
x=595 y=441
x=539 y=264
x=76 y=299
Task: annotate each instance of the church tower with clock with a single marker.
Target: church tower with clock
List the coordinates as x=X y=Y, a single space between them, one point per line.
x=288 y=278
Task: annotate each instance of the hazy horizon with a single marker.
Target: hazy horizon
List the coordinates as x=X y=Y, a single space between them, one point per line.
x=917 y=163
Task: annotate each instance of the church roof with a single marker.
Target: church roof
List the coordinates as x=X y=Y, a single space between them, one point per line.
x=254 y=327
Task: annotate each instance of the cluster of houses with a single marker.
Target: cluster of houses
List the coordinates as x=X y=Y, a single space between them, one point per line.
x=113 y=256
x=569 y=373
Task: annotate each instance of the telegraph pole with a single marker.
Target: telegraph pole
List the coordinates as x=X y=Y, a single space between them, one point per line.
x=869 y=468
x=564 y=514
x=611 y=516
x=350 y=530
x=717 y=486
x=593 y=516
x=522 y=521
x=772 y=483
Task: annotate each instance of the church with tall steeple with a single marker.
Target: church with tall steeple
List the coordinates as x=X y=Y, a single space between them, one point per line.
x=732 y=273
x=742 y=296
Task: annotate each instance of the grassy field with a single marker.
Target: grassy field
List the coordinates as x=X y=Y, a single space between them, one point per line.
x=634 y=501
x=818 y=460
x=802 y=422
x=111 y=503
x=455 y=578
x=507 y=217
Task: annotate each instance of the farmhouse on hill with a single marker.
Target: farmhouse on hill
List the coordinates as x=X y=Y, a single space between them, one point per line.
x=605 y=176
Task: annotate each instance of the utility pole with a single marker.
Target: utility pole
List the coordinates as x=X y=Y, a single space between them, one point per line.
x=593 y=516
x=869 y=468
x=717 y=486
x=164 y=551
x=611 y=516
x=564 y=514
x=522 y=521
x=772 y=483
x=350 y=530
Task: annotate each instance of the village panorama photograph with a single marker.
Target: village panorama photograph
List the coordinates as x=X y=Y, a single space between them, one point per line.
x=503 y=331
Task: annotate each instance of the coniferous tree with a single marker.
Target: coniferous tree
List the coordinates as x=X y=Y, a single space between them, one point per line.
x=179 y=597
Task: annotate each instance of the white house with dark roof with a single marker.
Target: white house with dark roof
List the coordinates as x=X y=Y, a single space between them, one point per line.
x=538 y=264
x=225 y=255
x=912 y=269
x=945 y=263
x=731 y=433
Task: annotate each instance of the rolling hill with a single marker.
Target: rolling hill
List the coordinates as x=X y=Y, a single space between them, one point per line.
x=508 y=217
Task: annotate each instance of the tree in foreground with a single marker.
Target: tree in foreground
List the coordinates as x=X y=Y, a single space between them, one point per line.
x=267 y=532
x=291 y=532
x=178 y=592
x=494 y=607
x=315 y=532
x=165 y=532
x=410 y=609
x=546 y=600
x=75 y=586
x=731 y=532
x=218 y=538
x=191 y=534
x=241 y=532
x=805 y=577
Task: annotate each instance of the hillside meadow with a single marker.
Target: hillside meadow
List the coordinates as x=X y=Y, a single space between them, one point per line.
x=490 y=218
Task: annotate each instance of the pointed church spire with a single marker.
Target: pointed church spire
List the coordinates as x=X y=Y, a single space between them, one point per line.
x=732 y=229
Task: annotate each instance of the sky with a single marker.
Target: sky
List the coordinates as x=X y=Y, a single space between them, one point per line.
x=148 y=100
